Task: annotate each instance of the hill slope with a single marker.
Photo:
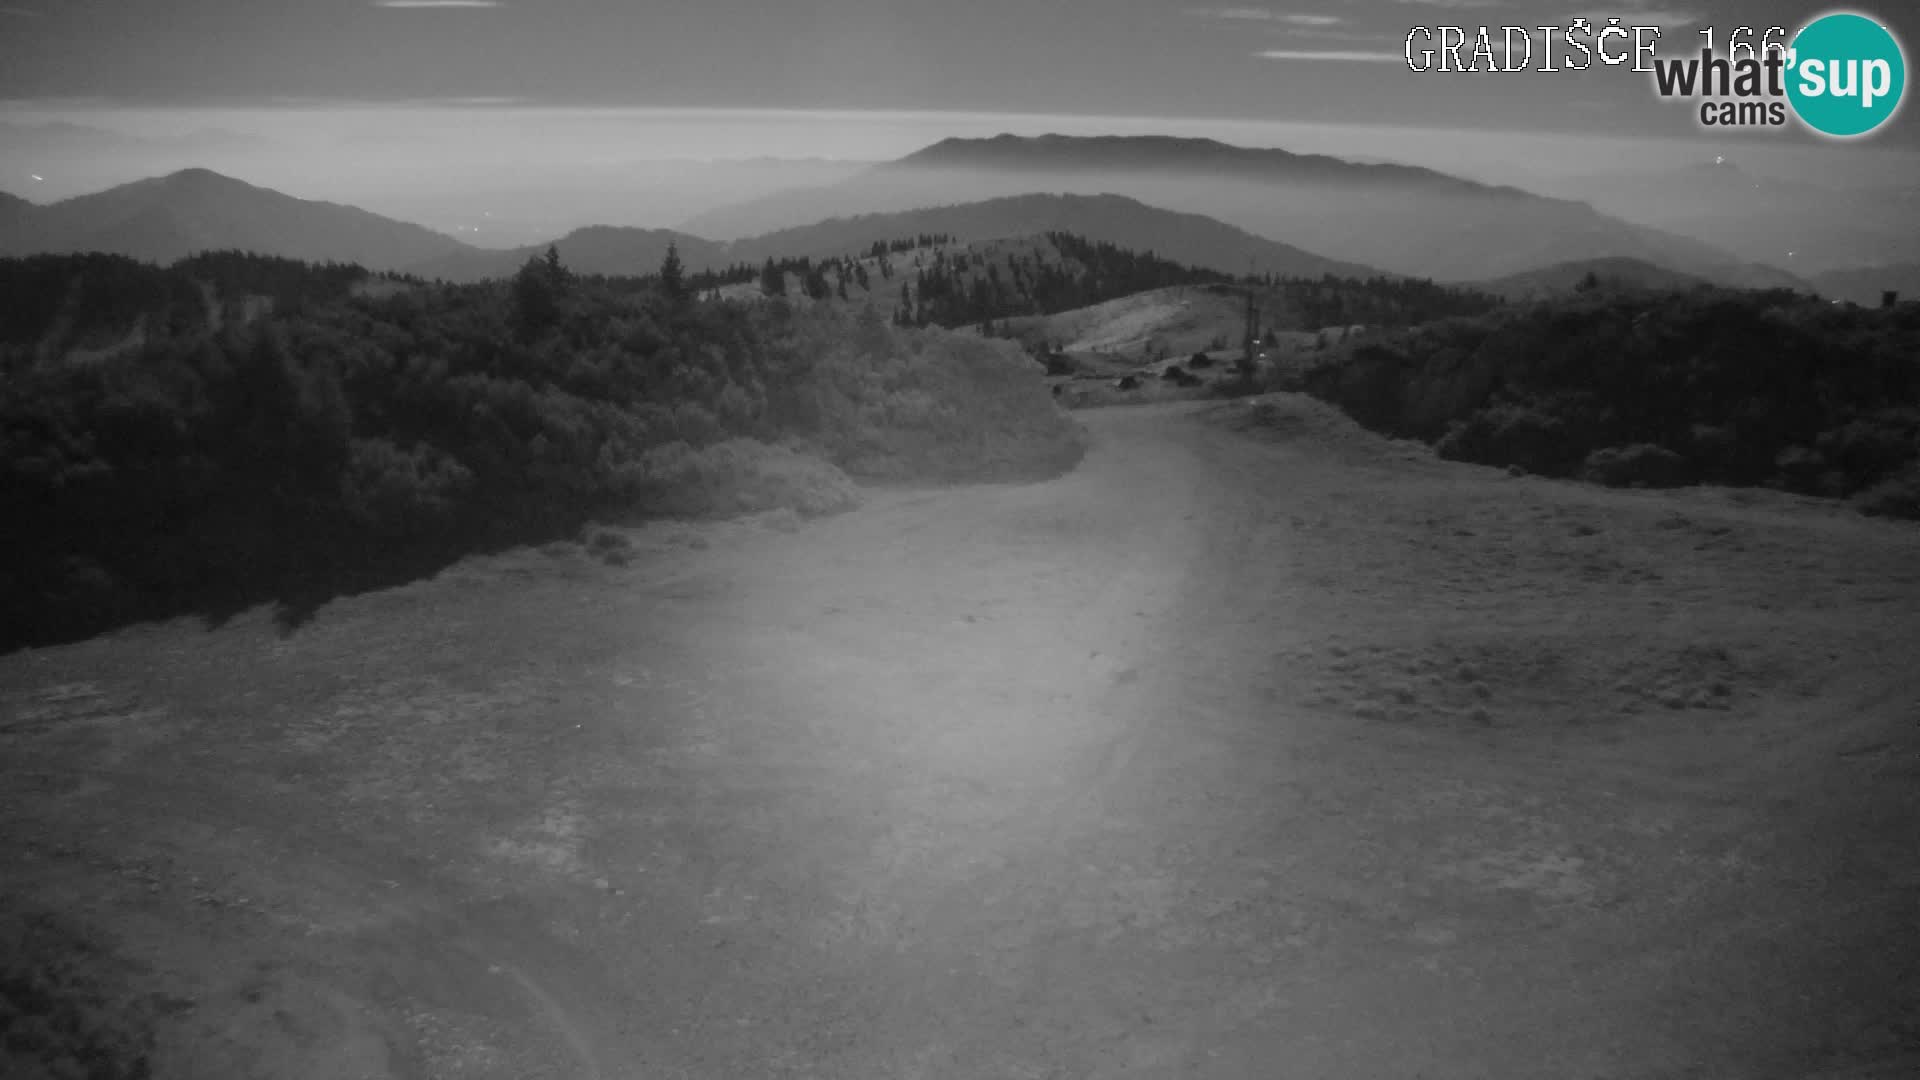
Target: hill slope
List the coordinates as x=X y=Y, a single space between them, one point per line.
x=1399 y=218
x=1191 y=239
x=171 y=217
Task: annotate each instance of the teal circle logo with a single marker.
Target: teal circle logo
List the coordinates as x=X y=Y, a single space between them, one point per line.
x=1845 y=74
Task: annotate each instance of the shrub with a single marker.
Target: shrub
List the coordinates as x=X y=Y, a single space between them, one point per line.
x=1870 y=447
x=402 y=492
x=1800 y=469
x=1512 y=434
x=1639 y=465
x=1896 y=496
x=1200 y=361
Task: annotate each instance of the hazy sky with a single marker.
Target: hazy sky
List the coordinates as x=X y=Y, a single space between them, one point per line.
x=1153 y=57
x=364 y=100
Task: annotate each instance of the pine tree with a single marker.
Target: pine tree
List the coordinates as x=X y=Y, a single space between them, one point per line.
x=536 y=292
x=556 y=273
x=673 y=279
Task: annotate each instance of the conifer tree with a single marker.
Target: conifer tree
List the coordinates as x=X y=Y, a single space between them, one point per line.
x=673 y=279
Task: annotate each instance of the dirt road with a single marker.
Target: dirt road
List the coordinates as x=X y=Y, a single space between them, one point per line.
x=1254 y=747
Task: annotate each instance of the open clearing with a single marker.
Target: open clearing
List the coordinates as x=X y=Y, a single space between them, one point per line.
x=1256 y=746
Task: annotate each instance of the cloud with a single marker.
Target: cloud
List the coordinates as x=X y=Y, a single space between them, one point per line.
x=1340 y=35
x=437 y=3
x=1351 y=56
x=1454 y=4
x=1244 y=14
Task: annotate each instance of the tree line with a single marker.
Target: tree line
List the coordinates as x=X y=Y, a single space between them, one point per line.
x=349 y=436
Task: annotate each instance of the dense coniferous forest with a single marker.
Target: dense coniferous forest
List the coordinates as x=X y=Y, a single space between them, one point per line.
x=1658 y=389
x=207 y=460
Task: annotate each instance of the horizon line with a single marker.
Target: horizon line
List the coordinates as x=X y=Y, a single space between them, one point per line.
x=12 y=109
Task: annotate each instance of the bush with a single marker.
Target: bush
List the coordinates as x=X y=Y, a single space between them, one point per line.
x=1513 y=434
x=1200 y=361
x=1742 y=387
x=402 y=492
x=598 y=539
x=1871 y=447
x=1801 y=469
x=1640 y=465
x=610 y=547
x=1896 y=496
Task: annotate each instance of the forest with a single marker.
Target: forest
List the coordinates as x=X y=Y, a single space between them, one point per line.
x=982 y=287
x=344 y=437
x=1630 y=387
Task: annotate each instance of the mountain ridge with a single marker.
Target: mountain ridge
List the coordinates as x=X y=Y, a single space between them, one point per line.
x=1177 y=152
x=1190 y=239
x=1400 y=218
x=170 y=217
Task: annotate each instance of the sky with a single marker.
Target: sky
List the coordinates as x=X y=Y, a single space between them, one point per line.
x=358 y=87
x=1313 y=61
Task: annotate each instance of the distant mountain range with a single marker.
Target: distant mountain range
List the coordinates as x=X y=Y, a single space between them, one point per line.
x=1803 y=227
x=1170 y=154
x=1399 y=218
x=1189 y=239
x=196 y=210
x=1194 y=201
